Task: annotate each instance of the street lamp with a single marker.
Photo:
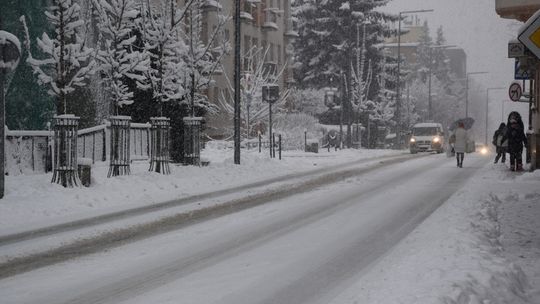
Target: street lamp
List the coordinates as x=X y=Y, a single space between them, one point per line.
x=430 y=111
x=398 y=100
x=237 y=82
x=487 y=109
x=467 y=91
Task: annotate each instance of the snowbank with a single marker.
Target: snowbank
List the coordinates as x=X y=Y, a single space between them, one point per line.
x=32 y=201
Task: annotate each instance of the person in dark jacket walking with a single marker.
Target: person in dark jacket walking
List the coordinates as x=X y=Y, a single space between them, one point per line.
x=500 y=145
x=516 y=140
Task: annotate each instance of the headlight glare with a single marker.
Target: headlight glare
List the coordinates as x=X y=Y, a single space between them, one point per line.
x=413 y=139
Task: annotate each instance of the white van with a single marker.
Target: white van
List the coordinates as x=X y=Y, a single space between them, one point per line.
x=427 y=136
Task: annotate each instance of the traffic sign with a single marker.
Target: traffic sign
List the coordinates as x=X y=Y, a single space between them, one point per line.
x=270 y=93
x=515 y=92
x=530 y=35
x=515 y=49
x=521 y=69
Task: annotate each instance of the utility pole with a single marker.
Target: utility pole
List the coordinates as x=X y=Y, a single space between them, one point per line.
x=237 y=82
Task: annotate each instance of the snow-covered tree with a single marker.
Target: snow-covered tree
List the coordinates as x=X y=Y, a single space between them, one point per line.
x=117 y=57
x=309 y=101
x=327 y=37
x=202 y=58
x=424 y=53
x=68 y=61
x=441 y=63
x=253 y=79
x=163 y=40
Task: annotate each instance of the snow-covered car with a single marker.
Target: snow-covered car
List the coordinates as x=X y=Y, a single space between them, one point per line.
x=427 y=136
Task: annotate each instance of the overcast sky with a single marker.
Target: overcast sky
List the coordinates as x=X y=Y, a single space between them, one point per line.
x=474 y=26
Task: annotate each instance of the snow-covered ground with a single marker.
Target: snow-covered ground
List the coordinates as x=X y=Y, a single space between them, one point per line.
x=481 y=246
x=31 y=201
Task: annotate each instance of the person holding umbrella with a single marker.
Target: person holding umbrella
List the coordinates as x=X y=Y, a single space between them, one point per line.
x=459 y=140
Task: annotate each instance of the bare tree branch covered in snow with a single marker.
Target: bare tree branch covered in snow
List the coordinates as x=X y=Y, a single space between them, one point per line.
x=68 y=61
x=253 y=79
x=202 y=58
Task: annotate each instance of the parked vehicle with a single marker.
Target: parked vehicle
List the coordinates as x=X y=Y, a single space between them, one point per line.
x=427 y=136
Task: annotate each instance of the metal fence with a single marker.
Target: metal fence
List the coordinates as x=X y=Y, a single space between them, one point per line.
x=28 y=152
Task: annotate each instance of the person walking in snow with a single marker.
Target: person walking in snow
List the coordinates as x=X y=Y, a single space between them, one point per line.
x=500 y=145
x=460 y=139
x=516 y=140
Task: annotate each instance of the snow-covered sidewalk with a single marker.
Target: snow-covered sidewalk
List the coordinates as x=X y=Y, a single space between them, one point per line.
x=482 y=246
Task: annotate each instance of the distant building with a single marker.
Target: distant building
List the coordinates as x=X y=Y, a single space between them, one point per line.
x=264 y=23
x=409 y=49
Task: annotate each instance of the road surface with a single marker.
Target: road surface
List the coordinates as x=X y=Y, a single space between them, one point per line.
x=302 y=248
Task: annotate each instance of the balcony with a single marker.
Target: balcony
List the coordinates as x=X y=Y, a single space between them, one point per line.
x=246 y=16
x=270 y=20
x=290 y=31
x=212 y=5
x=520 y=10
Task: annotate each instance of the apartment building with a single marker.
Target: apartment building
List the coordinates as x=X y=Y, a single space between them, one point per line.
x=409 y=42
x=265 y=24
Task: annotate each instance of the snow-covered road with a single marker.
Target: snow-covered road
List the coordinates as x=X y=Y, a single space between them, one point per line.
x=307 y=248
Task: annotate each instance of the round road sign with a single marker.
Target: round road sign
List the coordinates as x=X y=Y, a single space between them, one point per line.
x=515 y=92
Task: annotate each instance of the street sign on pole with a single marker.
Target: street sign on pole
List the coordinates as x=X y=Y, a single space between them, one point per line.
x=515 y=92
x=530 y=35
x=522 y=70
x=270 y=93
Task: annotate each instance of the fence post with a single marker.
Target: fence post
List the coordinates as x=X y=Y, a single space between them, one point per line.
x=93 y=148
x=279 y=146
x=260 y=141
x=104 y=145
x=273 y=145
x=33 y=164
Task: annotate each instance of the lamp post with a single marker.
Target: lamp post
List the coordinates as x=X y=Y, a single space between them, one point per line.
x=398 y=100
x=430 y=108
x=487 y=109
x=10 y=53
x=237 y=82
x=467 y=91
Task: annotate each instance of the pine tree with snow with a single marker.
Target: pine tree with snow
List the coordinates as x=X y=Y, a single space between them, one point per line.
x=68 y=61
x=162 y=35
x=118 y=58
x=327 y=40
x=424 y=54
x=441 y=64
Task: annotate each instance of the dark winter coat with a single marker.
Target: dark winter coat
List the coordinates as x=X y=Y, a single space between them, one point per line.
x=515 y=133
x=499 y=140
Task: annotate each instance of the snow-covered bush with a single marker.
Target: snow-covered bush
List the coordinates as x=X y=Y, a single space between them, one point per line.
x=292 y=126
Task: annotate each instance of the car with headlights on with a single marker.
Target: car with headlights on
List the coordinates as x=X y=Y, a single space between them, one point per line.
x=426 y=137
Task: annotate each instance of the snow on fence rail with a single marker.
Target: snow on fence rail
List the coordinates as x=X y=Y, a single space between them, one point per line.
x=28 y=151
